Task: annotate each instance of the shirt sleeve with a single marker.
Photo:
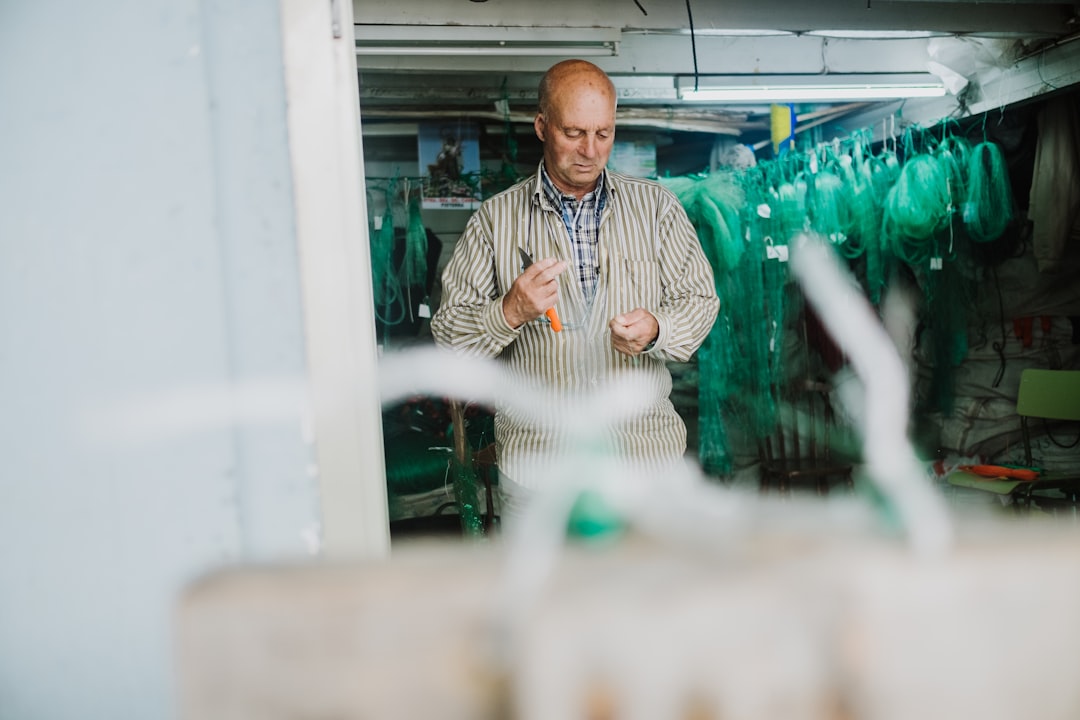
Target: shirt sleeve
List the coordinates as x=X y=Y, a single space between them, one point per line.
x=470 y=317
x=689 y=303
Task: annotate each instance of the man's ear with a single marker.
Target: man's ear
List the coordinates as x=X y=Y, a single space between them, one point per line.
x=539 y=126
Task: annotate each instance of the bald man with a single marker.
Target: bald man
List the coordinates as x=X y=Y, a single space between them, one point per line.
x=617 y=259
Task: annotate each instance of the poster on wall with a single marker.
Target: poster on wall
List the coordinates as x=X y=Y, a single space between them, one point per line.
x=450 y=166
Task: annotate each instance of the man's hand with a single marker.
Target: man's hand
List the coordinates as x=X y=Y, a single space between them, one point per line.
x=632 y=331
x=533 y=292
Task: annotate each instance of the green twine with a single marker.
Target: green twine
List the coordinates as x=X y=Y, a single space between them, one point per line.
x=789 y=209
x=947 y=324
x=828 y=207
x=918 y=203
x=988 y=207
x=916 y=207
x=712 y=203
x=389 y=302
x=414 y=268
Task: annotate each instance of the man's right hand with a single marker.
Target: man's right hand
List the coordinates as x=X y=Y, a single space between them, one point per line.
x=533 y=292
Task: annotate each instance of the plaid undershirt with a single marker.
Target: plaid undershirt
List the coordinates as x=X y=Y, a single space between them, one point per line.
x=582 y=221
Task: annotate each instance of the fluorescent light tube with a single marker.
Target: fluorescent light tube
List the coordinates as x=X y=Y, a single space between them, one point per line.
x=811 y=88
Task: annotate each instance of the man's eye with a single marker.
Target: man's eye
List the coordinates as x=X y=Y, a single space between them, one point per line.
x=573 y=133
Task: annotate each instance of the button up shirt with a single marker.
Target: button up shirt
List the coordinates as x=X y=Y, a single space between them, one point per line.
x=648 y=256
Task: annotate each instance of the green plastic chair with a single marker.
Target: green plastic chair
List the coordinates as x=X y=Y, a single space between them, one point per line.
x=1043 y=395
x=1048 y=395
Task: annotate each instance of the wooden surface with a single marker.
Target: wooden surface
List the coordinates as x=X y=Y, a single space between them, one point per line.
x=772 y=625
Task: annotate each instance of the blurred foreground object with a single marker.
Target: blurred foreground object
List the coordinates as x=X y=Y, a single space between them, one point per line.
x=781 y=625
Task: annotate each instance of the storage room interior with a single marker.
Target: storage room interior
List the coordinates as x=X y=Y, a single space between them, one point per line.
x=242 y=481
x=995 y=306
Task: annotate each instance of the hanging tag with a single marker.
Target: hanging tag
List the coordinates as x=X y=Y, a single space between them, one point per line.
x=935 y=263
x=423 y=311
x=777 y=252
x=378 y=222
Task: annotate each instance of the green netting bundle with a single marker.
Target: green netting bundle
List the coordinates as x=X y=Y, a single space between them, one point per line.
x=865 y=210
x=828 y=207
x=945 y=319
x=988 y=205
x=916 y=207
x=389 y=307
x=712 y=203
x=884 y=169
x=878 y=212
x=788 y=209
x=952 y=155
x=414 y=268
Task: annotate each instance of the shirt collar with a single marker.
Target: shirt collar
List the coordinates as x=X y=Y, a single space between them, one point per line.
x=546 y=189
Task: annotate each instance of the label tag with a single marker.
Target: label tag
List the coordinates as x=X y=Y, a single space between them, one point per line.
x=935 y=263
x=424 y=311
x=378 y=222
x=777 y=252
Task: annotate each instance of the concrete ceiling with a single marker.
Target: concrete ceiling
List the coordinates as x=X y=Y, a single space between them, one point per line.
x=653 y=47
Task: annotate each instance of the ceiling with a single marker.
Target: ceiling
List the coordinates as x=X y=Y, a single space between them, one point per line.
x=420 y=58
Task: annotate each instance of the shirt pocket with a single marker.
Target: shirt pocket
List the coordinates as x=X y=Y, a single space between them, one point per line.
x=640 y=285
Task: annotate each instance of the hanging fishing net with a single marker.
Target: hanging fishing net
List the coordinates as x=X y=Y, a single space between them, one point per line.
x=713 y=203
x=883 y=213
x=988 y=206
x=916 y=207
x=414 y=268
x=742 y=236
x=386 y=286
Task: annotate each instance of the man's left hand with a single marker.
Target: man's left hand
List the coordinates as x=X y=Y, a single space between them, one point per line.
x=631 y=332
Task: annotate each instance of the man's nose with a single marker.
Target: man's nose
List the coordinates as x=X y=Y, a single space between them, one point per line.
x=588 y=146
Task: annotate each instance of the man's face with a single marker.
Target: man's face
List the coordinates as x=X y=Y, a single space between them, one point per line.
x=578 y=132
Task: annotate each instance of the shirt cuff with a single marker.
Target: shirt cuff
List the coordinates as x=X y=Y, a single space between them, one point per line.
x=662 y=335
x=495 y=325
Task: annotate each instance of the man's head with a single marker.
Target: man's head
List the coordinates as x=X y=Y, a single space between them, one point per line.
x=576 y=123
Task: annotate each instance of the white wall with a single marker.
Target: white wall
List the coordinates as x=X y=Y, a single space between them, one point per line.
x=148 y=269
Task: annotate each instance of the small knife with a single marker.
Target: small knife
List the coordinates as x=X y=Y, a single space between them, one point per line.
x=552 y=316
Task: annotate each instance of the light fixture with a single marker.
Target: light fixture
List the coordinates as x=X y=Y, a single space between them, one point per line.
x=451 y=40
x=808 y=88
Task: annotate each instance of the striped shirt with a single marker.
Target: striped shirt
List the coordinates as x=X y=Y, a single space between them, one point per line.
x=648 y=256
x=582 y=221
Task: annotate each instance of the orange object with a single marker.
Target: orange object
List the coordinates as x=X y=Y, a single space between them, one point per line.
x=552 y=316
x=1000 y=471
x=556 y=324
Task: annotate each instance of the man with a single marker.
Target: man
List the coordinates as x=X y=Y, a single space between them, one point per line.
x=639 y=291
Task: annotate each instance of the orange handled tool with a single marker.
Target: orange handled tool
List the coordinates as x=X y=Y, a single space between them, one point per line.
x=1002 y=471
x=552 y=316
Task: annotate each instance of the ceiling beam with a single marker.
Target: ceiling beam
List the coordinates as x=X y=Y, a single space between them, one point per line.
x=670 y=54
x=1027 y=18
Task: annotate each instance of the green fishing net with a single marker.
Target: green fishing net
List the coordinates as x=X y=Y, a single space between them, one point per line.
x=389 y=300
x=916 y=207
x=883 y=213
x=988 y=207
x=414 y=268
x=734 y=402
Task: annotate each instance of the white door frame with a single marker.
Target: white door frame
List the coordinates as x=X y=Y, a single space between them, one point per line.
x=325 y=148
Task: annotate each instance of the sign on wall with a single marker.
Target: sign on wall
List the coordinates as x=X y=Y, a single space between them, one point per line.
x=450 y=165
